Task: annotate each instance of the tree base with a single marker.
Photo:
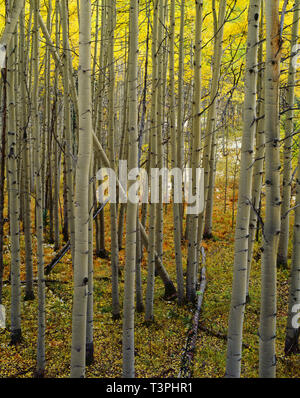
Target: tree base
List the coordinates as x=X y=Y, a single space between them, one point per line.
x=282 y=262
x=248 y=299
x=170 y=291
x=39 y=374
x=89 y=354
x=140 y=308
x=16 y=337
x=29 y=296
x=291 y=345
x=149 y=322
x=207 y=235
x=116 y=317
x=103 y=254
x=182 y=302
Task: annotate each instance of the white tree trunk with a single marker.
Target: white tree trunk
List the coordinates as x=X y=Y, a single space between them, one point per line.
x=238 y=298
x=128 y=313
x=81 y=194
x=267 y=329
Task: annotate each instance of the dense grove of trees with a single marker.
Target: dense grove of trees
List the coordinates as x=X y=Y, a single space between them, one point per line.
x=165 y=84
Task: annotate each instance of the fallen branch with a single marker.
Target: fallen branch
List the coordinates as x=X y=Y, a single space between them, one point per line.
x=8 y=282
x=57 y=258
x=218 y=335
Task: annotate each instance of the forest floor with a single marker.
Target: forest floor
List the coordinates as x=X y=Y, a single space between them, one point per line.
x=158 y=346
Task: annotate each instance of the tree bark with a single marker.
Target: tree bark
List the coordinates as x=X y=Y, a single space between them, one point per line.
x=130 y=263
x=267 y=328
x=238 y=298
x=81 y=195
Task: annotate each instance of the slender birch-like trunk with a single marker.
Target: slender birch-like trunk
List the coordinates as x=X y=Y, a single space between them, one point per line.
x=159 y=129
x=211 y=116
x=138 y=272
x=238 y=298
x=128 y=312
x=67 y=125
x=180 y=107
x=13 y=193
x=282 y=255
x=100 y=233
x=39 y=194
x=111 y=138
x=153 y=164
x=29 y=294
x=267 y=328
x=196 y=133
x=90 y=300
x=211 y=190
x=11 y=24
x=55 y=129
x=258 y=168
x=176 y=206
x=81 y=195
x=2 y=173
x=292 y=334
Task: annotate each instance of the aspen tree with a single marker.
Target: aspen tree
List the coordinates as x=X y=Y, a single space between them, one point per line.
x=267 y=328
x=153 y=163
x=292 y=334
x=196 y=134
x=258 y=167
x=159 y=130
x=26 y=169
x=100 y=234
x=13 y=193
x=122 y=206
x=165 y=61
x=180 y=110
x=45 y=136
x=95 y=53
x=282 y=254
x=56 y=156
x=180 y=148
x=81 y=194
x=238 y=298
x=2 y=172
x=139 y=247
x=90 y=300
x=39 y=193
x=138 y=274
x=67 y=124
x=176 y=206
x=111 y=137
x=211 y=189
x=128 y=312
x=11 y=24
x=48 y=137
x=211 y=116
